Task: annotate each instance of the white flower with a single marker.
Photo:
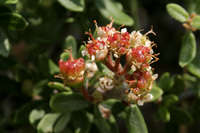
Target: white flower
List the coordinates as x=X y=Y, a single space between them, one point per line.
x=135 y=38
x=147 y=43
x=84 y=52
x=124 y=30
x=133 y=68
x=105 y=84
x=132 y=97
x=91 y=69
x=92 y=57
x=148 y=97
x=140 y=102
x=155 y=76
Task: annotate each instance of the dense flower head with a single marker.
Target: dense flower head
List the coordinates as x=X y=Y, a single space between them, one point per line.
x=72 y=70
x=131 y=81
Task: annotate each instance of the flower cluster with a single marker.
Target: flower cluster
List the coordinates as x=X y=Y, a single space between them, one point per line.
x=131 y=81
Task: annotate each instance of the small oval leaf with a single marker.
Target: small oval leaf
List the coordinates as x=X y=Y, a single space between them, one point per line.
x=36 y=115
x=188 y=49
x=73 y=5
x=136 y=123
x=70 y=43
x=4 y=46
x=156 y=92
x=68 y=101
x=59 y=86
x=7 y=2
x=166 y=82
x=177 y=12
x=194 y=66
x=62 y=122
x=109 y=8
x=164 y=114
x=47 y=123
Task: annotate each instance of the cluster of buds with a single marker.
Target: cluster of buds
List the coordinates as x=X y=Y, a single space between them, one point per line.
x=132 y=81
x=72 y=70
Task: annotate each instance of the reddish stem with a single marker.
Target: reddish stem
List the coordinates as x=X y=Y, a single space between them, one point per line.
x=110 y=64
x=86 y=95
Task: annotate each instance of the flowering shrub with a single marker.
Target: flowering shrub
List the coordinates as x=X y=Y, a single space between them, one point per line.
x=130 y=82
x=56 y=79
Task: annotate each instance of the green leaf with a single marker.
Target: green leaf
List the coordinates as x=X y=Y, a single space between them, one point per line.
x=68 y=101
x=179 y=85
x=12 y=21
x=70 y=43
x=22 y=114
x=166 y=82
x=194 y=66
x=169 y=100
x=164 y=114
x=196 y=22
x=47 y=123
x=82 y=121
x=177 y=12
x=110 y=103
x=59 y=86
x=4 y=46
x=53 y=68
x=105 y=70
x=188 y=49
x=70 y=20
x=62 y=122
x=7 y=2
x=156 y=92
x=136 y=123
x=73 y=5
x=36 y=115
x=112 y=121
x=109 y=8
x=101 y=123
x=65 y=56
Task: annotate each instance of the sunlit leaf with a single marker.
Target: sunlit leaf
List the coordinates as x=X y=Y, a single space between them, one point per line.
x=47 y=123
x=8 y=2
x=177 y=12
x=109 y=8
x=73 y=5
x=36 y=115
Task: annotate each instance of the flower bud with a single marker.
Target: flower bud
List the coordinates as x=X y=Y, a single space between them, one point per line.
x=97 y=50
x=72 y=70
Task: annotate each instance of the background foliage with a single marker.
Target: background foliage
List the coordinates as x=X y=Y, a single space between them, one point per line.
x=34 y=33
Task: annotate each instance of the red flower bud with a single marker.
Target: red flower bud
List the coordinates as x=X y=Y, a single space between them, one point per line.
x=141 y=54
x=72 y=70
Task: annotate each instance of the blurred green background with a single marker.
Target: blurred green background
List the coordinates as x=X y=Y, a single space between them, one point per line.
x=29 y=61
